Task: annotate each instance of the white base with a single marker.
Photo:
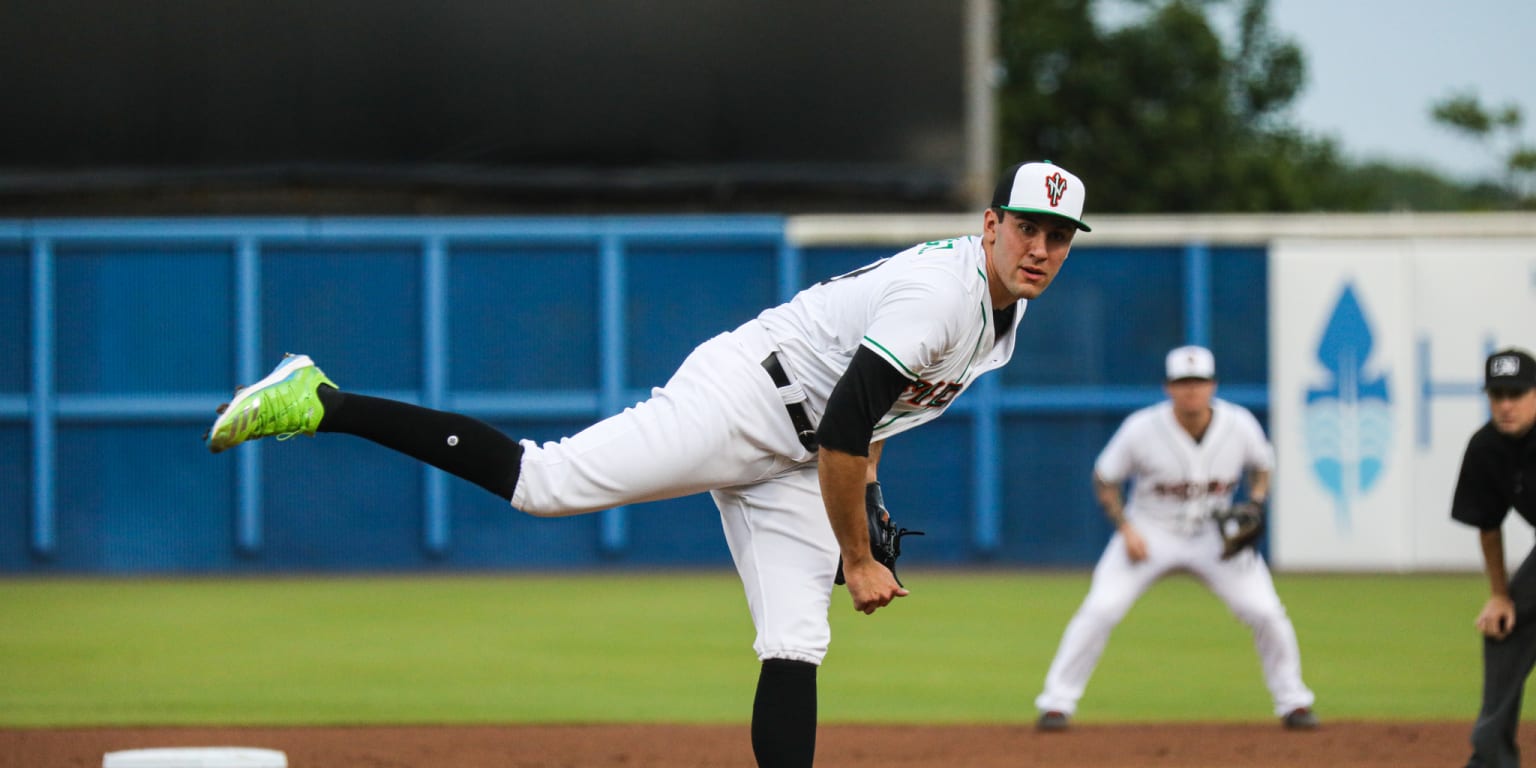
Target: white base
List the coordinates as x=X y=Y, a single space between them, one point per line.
x=196 y=757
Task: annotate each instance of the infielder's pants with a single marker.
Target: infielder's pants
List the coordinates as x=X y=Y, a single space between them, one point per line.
x=1506 y=665
x=1243 y=583
x=718 y=425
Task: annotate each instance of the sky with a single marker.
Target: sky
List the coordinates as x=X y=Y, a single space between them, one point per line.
x=1375 y=68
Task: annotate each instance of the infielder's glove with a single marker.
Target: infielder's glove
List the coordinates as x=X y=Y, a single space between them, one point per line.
x=884 y=536
x=1240 y=526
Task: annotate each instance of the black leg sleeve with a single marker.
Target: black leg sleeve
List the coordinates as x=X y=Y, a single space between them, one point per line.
x=456 y=444
x=1506 y=665
x=784 y=715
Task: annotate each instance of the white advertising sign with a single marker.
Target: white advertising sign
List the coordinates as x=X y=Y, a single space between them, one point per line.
x=1376 y=355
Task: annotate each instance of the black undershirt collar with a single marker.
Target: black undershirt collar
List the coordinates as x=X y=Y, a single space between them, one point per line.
x=1002 y=320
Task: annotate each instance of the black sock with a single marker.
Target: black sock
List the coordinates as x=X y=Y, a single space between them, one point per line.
x=784 y=715
x=460 y=445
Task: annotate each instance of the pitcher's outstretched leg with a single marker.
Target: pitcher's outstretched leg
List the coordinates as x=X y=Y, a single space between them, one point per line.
x=297 y=398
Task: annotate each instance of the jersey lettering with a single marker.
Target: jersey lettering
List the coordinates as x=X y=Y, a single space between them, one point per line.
x=1186 y=490
x=917 y=391
x=937 y=245
x=924 y=394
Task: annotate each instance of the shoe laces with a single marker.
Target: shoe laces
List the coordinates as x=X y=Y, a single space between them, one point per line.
x=284 y=421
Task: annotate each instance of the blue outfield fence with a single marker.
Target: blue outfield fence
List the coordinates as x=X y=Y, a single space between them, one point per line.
x=124 y=336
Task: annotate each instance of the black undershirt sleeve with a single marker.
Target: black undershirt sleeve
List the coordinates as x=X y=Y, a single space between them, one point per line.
x=865 y=393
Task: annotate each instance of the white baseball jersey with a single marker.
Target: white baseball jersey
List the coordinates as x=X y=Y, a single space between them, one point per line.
x=926 y=310
x=1177 y=481
x=719 y=425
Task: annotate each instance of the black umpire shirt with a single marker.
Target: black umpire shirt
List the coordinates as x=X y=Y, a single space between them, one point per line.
x=1497 y=472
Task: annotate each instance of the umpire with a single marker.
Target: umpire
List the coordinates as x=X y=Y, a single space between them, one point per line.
x=1499 y=458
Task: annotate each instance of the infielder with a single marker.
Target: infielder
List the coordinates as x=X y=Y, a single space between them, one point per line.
x=782 y=420
x=1496 y=475
x=1185 y=458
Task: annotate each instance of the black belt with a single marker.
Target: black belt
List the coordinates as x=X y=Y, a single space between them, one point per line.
x=797 y=414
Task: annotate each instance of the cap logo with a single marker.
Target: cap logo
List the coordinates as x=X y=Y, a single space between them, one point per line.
x=1055 y=187
x=1505 y=365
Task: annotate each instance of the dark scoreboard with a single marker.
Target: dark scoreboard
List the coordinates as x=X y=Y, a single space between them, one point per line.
x=575 y=99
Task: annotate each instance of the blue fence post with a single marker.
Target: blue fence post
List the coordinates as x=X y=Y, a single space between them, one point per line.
x=986 y=479
x=44 y=533
x=791 y=269
x=1197 y=294
x=434 y=355
x=614 y=531
x=247 y=288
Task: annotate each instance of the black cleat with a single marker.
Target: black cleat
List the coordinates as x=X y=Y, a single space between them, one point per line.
x=1052 y=721
x=1300 y=719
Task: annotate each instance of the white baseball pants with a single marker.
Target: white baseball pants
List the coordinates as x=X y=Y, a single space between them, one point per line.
x=1243 y=583
x=718 y=425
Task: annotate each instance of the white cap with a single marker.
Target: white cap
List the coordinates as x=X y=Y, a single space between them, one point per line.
x=1041 y=188
x=1191 y=363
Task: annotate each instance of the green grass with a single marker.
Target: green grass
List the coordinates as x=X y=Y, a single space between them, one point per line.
x=965 y=647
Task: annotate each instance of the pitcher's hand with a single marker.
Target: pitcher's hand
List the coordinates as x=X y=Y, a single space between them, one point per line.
x=871 y=585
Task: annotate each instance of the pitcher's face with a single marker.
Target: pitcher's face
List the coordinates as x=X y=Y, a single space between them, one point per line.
x=1024 y=253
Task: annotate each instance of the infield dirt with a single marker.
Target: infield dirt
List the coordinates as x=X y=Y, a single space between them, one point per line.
x=1355 y=744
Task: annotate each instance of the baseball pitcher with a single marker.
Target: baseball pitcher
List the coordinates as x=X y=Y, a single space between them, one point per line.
x=781 y=420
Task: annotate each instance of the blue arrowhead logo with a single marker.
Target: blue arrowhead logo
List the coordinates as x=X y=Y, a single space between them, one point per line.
x=1348 y=419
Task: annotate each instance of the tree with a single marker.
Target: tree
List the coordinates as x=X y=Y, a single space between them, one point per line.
x=1498 y=130
x=1160 y=113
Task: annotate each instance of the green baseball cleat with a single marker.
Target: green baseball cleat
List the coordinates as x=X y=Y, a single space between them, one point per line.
x=282 y=404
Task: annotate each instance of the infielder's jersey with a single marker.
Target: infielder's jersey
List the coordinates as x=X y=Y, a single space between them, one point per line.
x=1177 y=482
x=926 y=310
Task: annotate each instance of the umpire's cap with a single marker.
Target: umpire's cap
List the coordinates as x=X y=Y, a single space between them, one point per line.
x=1041 y=188
x=1509 y=370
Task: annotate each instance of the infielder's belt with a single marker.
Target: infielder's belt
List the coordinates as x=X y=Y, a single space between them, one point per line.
x=794 y=402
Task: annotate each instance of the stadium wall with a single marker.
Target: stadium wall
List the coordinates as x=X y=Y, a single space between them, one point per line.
x=124 y=334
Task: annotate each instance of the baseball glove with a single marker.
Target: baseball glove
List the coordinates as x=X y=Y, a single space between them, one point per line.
x=1240 y=526
x=884 y=536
